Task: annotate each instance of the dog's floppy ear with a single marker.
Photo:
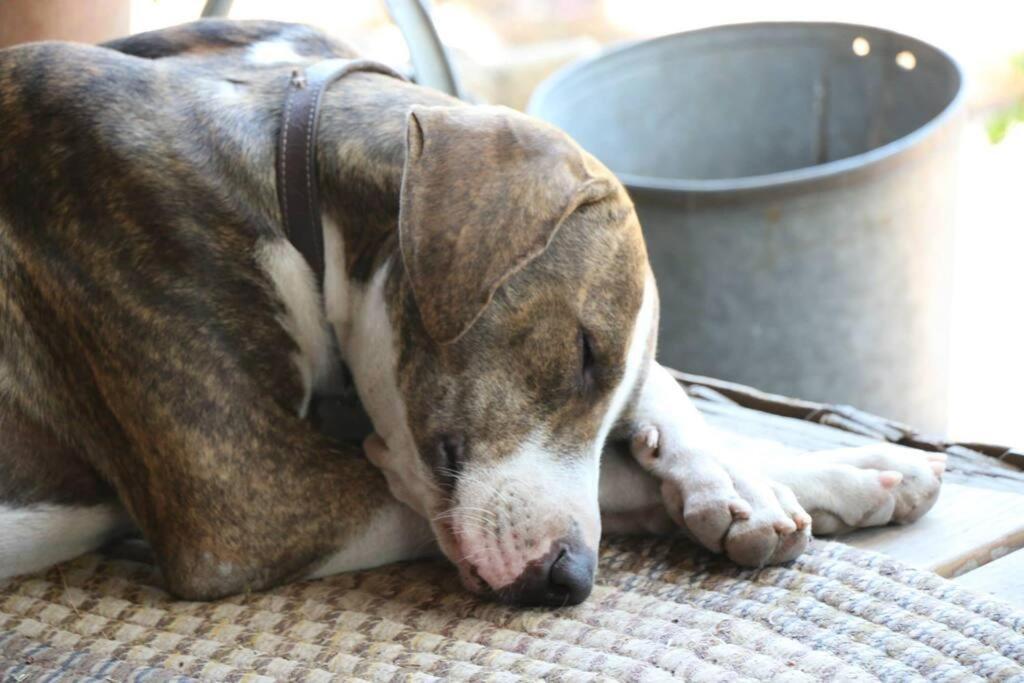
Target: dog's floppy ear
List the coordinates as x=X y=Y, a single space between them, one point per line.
x=484 y=191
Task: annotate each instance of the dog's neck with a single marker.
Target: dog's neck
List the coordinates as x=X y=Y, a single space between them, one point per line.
x=361 y=153
x=360 y=157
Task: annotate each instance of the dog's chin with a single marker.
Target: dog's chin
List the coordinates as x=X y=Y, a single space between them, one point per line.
x=452 y=547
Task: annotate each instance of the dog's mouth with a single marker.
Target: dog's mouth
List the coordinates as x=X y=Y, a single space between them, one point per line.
x=561 y=574
x=504 y=542
x=453 y=547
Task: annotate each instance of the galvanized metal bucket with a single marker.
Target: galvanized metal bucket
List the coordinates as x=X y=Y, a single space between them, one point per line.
x=795 y=182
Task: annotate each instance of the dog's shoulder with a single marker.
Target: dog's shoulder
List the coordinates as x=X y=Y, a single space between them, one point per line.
x=55 y=66
x=77 y=78
x=52 y=89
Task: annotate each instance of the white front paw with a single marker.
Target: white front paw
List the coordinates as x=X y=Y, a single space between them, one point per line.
x=871 y=486
x=742 y=514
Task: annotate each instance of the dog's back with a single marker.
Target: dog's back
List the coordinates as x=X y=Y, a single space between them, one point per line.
x=116 y=238
x=43 y=382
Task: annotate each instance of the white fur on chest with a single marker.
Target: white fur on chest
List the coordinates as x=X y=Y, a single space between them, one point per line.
x=358 y=315
x=371 y=354
x=303 y=315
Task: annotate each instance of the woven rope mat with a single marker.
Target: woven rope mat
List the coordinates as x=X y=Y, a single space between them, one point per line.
x=661 y=610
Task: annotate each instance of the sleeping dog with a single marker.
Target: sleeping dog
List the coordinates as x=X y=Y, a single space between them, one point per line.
x=484 y=279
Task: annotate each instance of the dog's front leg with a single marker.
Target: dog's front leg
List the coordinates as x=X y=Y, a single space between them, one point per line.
x=853 y=488
x=747 y=503
x=395 y=532
x=712 y=495
x=630 y=498
x=272 y=501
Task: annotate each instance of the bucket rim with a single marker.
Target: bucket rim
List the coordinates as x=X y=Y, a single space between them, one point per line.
x=789 y=177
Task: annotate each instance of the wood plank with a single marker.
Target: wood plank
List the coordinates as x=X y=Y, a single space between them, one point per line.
x=799 y=435
x=978 y=517
x=967 y=528
x=844 y=417
x=743 y=427
x=1002 y=578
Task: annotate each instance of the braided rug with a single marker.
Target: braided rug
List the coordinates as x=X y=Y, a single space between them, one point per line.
x=661 y=610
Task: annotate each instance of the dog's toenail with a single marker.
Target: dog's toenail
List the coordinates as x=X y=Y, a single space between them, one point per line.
x=938 y=467
x=739 y=511
x=785 y=527
x=890 y=478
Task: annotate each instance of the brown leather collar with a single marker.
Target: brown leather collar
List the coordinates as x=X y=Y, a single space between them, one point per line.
x=297 y=186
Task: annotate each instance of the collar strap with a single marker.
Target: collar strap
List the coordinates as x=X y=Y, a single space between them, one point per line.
x=297 y=185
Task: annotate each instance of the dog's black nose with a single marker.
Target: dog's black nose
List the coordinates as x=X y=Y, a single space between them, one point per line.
x=564 y=576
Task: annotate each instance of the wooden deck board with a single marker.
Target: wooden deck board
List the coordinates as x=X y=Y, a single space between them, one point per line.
x=978 y=517
x=745 y=427
x=975 y=532
x=1003 y=579
x=968 y=527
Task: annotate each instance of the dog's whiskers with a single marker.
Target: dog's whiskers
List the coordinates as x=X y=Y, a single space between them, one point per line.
x=478 y=480
x=482 y=528
x=464 y=510
x=471 y=557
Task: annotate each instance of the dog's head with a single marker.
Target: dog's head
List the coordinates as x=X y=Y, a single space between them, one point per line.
x=522 y=317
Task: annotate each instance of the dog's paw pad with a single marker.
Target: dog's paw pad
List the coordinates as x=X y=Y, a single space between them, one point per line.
x=791 y=547
x=751 y=545
x=760 y=544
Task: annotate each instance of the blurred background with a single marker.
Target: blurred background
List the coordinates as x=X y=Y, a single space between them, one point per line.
x=504 y=48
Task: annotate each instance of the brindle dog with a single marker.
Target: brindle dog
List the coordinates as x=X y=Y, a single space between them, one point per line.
x=486 y=280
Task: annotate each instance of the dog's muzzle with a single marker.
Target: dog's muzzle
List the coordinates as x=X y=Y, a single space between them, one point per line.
x=564 y=576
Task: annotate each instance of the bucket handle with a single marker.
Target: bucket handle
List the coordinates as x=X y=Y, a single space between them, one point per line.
x=430 y=61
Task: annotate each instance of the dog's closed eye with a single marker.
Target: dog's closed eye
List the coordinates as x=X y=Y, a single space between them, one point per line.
x=588 y=362
x=447 y=460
